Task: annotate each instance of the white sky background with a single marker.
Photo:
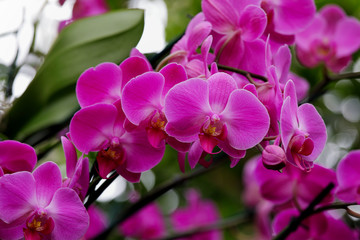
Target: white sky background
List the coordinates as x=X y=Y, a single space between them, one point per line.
x=20 y=15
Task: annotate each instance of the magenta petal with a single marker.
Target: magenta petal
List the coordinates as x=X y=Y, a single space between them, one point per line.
x=288 y=122
x=332 y=14
x=252 y=21
x=292 y=16
x=91 y=127
x=181 y=161
x=245 y=132
x=348 y=176
x=156 y=137
x=130 y=176
x=140 y=155
x=17 y=196
x=186 y=108
x=312 y=123
x=232 y=152
x=220 y=87
x=69 y=214
x=208 y=143
x=316 y=30
x=290 y=91
x=195 y=153
x=80 y=180
x=197 y=35
x=101 y=84
x=173 y=73
x=302 y=85
x=221 y=14
x=230 y=49
x=132 y=67
x=142 y=95
x=48 y=180
x=70 y=156
x=16 y=156
x=136 y=53
x=347 y=37
x=11 y=231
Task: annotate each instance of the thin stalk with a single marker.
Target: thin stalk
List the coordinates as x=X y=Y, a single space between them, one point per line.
x=242 y=72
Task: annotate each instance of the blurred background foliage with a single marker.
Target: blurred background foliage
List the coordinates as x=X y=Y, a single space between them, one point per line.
x=339 y=106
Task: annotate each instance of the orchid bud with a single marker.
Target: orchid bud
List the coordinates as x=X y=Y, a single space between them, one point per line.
x=273 y=157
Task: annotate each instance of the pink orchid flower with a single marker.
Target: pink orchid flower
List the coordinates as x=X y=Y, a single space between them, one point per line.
x=303 y=131
x=213 y=113
x=100 y=128
x=331 y=39
x=16 y=156
x=319 y=226
x=197 y=213
x=184 y=51
x=146 y=224
x=293 y=184
x=348 y=175
x=37 y=206
x=104 y=83
x=233 y=26
x=286 y=18
x=77 y=171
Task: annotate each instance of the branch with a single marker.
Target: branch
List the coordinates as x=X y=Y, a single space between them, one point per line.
x=156 y=193
x=232 y=222
x=243 y=72
x=96 y=194
x=332 y=206
x=296 y=222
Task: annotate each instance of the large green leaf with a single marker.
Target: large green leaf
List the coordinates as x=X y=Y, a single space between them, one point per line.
x=83 y=44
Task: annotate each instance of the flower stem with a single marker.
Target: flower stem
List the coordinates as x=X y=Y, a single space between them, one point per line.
x=296 y=222
x=242 y=72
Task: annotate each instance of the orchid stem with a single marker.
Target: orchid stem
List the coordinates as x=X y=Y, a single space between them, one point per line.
x=296 y=222
x=242 y=72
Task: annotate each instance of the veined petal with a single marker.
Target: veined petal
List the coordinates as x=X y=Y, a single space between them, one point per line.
x=288 y=122
x=253 y=22
x=142 y=95
x=11 y=231
x=173 y=73
x=292 y=16
x=17 y=196
x=101 y=84
x=48 y=180
x=140 y=155
x=198 y=35
x=132 y=67
x=246 y=119
x=186 y=108
x=221 y=85
x=91 y=127
x=221 y=14
x=130 y=176
x=347 y=37
x=195 y=153
x=348 y=170
x=69 y=214
x=16 y=156
x=80 y=180
x=312 y=123
x=70 y=156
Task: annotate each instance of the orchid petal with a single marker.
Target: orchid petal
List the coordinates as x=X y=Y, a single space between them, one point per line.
x=132 y=67
x=142 y=95
x=16 y=156
x=186 y=108
x=48 y=180
x=220 y=87
x=101 y=84
x=347 y=37
x=130 y=176
x=17 y=196
x=70 y=156
x=288 y=122
x=312 y=123
x=140 y=155
x=245 y=132
x=252 y=21
x=195 y=153
x=173 y=73
x=69 y=214
x=91 y=127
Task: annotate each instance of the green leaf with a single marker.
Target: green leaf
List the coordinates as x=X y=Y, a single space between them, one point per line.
x=81 y=45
